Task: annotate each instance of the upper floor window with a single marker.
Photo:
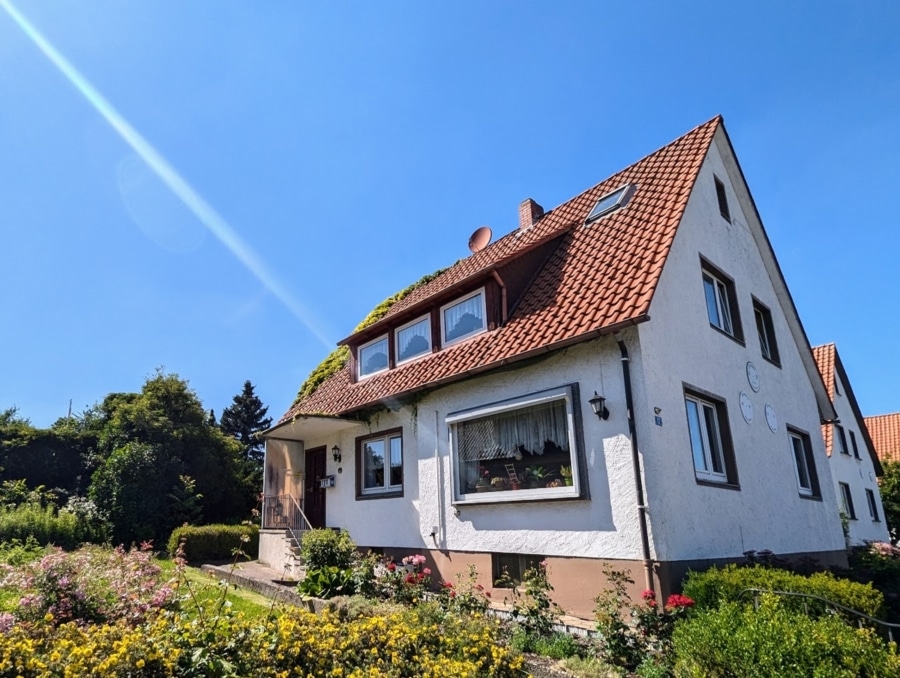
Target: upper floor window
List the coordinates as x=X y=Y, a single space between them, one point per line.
x=710 y=438
x=804 y=464
x=379 y=468
x=516 y=450
x=413 y=339
x=722 y=197
x=611 y=202
x=847 y=501
x=373 y=357
x=841 y=439
x=873 y=505
x=854 y=445
x=721 y=302
x=463 y=318
x=766 y=331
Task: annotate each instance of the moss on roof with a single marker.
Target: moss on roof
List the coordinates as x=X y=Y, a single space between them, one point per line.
x=336 y=360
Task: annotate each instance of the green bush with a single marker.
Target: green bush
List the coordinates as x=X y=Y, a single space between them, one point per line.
x=18 y=553
x=46 y=525
x=740 y=642
x=711 y=588
x=327 y=582
x=215 y=542
x=327 y=548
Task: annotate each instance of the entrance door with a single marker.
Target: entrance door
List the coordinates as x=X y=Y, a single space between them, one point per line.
x=314 y=504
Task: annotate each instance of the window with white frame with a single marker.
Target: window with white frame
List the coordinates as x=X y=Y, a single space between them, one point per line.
x=854 y=445
x=873 y=506
x=413 y=339
x=765 y=328
x=721 y=302
x=516 y=450
x=373 y=357
x=379 y=468
x=463 y=318
x=710 y=439
x=804 y=464
x=847 y=501
x=841 y=439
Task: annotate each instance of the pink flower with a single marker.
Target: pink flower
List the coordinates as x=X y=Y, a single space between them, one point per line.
x=426 y=571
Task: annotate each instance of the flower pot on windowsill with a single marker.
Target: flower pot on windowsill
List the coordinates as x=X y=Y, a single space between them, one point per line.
x=567 y=481
x=516 y=486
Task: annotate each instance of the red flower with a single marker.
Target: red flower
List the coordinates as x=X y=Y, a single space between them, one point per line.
x=487 y=593
x=447 y=584
x=677 y=601
x=391 y=567
x=410 y=579
x=648 y=595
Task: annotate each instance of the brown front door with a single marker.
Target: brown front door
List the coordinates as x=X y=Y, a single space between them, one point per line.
x=315 y=495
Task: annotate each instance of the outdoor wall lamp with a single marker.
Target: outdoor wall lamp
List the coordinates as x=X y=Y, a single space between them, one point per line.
x=336 y=454
x=598 y=405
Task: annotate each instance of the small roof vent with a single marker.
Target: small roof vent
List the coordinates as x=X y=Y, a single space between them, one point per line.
x=611 y=202
x=480 y=239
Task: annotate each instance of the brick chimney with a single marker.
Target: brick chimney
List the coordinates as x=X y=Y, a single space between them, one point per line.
x=529 y=212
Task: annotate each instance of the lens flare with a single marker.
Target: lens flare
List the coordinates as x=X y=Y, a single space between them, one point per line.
x=176 y=183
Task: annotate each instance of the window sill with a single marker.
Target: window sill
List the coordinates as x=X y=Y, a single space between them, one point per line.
x=735 y=339
x=393 y=494
x=714 y=483
x=517 y=496
x=809 y=497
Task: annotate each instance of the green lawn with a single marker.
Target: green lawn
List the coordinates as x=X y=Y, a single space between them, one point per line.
x=206 y=590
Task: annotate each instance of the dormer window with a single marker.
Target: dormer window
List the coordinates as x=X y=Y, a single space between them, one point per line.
x=373 y=357
x=463 y=318
x=413 y=339
x=611 y=202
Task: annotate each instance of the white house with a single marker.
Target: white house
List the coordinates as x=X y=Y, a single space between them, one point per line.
x=855 y=467
x=622 y=380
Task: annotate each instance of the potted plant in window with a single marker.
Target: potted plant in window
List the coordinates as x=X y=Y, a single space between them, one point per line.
x=498 y=484
x=566 y=473
x=534 y=475
x=483 y=484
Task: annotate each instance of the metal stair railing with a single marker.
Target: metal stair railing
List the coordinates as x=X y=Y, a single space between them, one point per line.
x=862 y=618
x=283 y=512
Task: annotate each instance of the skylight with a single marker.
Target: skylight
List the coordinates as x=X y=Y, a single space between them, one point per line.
x=611 y=202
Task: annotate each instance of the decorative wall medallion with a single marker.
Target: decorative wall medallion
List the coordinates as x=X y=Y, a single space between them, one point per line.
x=771 y=419
x=746 y=407
x=753 y=376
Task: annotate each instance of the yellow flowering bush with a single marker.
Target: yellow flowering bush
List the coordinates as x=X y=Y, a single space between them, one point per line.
x=420 y=641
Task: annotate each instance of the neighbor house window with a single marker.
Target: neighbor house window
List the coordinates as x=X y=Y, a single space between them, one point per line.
x=373 y=357
x=414 y=339
x=804 y=464
x=847 y=501
x=854 y=445
x=841 y=439
x=721 y=302
x=873 y=506
x=766 y=331
x=722 y=198
x=463 y=318
x=379 y=468
x=520 y=449
x=710 y=439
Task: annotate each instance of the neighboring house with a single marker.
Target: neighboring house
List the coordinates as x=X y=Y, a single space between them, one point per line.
x=885 y=432
x=465 y=424
x=851 y=454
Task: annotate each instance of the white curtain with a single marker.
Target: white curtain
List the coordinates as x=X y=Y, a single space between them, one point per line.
x=414 y=340
x=464 y=318
x=528 y=431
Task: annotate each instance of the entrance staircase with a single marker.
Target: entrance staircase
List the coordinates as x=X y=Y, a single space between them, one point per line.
x=283 y=512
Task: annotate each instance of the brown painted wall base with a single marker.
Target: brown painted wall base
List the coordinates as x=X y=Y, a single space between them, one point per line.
x=577 y=581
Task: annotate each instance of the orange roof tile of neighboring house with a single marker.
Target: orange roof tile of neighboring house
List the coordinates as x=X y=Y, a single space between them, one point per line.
x=824 y=356
x=885 y=432
x=618 y=260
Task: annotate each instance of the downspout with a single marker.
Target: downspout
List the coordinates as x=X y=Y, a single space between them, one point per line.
x=636 y=463
x=503 y=309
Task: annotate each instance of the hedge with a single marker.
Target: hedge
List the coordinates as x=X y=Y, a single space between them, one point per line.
x=214 y=542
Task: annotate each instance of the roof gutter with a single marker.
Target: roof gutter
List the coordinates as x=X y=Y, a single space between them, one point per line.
x=636 y=464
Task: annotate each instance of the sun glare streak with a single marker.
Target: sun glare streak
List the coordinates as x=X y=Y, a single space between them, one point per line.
x=200 y=208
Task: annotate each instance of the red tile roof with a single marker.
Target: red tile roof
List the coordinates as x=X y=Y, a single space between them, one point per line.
x=885 y=432
x=598 y=279
x=824 y=356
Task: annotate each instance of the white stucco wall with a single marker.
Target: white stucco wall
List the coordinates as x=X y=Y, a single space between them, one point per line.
x=679 y=347
x=859 y=474
x=603 y=527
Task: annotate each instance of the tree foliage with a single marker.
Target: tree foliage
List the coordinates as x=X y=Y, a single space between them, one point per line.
x=244 y=420
x=889 y=485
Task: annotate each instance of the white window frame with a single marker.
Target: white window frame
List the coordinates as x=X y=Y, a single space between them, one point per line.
x=397 y=359
x=387 y=487
x=723 y=304
x=456 y=302
x=359 y=360
x=841 y=436
x=707 y=474
x=537 y=494
x=847 y=507
x=873 y=505
x=797 y=438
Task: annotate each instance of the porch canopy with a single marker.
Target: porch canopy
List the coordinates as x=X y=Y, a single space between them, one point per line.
x=310 y=427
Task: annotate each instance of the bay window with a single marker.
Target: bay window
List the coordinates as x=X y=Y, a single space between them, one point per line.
x=516 y=450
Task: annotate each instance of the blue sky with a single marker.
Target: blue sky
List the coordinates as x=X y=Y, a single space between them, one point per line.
x=342 y=150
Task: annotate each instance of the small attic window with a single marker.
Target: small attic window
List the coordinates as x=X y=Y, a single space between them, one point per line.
x=611 y=202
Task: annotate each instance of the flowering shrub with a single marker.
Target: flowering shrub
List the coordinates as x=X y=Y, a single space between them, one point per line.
x=405 y=583
x=90 y=585
x=533 y=610
x=467 y=596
